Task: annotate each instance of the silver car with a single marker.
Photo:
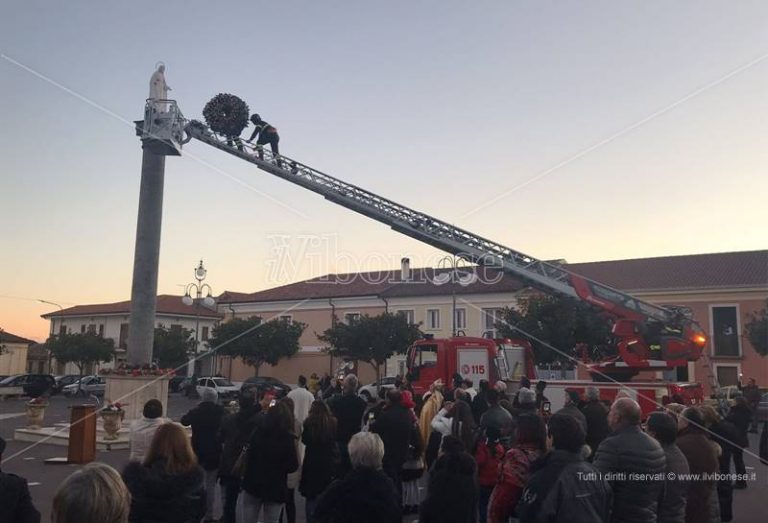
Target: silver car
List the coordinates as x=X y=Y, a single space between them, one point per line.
x=86 y=386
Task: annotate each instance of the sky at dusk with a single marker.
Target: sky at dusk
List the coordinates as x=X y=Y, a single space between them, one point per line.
x=578 y=130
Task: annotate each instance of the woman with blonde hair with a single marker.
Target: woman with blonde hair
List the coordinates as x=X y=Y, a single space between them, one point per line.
x=169 y=486
x=93 y=494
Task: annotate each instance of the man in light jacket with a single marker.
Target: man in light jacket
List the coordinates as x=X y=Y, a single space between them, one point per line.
x=143 y=430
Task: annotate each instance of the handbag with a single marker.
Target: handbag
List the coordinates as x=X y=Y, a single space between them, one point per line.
x=238 y=469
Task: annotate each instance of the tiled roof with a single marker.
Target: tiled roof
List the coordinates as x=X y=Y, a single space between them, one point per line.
x=695 y=271
x=377 y=283
x=166 y=304
x=7 y=337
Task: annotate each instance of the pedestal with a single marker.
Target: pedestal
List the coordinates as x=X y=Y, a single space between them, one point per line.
x=82 y=434
x=134 y=391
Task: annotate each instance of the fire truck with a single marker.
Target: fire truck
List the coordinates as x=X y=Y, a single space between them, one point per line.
x=509 y=360
x=647 y=336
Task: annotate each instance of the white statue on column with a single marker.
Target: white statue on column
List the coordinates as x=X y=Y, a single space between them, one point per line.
x=158 y=88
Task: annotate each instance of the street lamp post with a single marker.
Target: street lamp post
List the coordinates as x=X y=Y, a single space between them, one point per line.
x=198 y=288
x=455 y=264
x=50 y=334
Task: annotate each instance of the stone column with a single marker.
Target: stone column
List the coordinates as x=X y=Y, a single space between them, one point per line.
x=146 y=259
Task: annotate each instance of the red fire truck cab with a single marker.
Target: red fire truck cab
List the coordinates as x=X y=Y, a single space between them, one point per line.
x=476 y=359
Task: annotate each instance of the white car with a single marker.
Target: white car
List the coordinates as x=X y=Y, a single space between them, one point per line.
x=370 y=391
x=86 y=386
x=224 y=389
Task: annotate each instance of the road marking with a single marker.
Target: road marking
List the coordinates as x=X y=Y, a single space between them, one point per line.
x=34 y=483
x=29 y=459
x=12 y=415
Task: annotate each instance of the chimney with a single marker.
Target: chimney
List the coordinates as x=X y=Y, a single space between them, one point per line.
x=405 y=269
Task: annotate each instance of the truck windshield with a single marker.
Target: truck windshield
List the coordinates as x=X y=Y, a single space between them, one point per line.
x=425 y=356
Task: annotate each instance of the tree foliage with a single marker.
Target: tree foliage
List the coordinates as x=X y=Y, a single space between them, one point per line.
x=560 y=322
x=255 y=342
x=372 y=339
x=172 y=347
x=82 y=349
x=757 y=330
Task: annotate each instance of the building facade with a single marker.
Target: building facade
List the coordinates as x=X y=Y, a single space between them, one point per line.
x=111 y=320
x=720 y=289
x=13 y=353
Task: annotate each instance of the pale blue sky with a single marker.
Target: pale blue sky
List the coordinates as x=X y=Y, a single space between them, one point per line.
x=439 y=105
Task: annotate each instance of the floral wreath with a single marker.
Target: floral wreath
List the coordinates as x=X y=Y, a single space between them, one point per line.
x=226 y=114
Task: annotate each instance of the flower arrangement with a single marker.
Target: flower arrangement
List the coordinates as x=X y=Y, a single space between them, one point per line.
x=226 y=114
x=40 y=401
x=115 y=407
x=144 y=370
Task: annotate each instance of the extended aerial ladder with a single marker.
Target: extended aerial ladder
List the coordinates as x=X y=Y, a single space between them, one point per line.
x=649 y=336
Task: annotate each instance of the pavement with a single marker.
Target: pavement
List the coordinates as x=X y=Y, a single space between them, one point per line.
x=27 y=460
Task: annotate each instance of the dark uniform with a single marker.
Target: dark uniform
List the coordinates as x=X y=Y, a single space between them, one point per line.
x=267 y=135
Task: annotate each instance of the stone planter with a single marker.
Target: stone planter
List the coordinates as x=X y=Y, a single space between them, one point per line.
x=112 y=423
x=35 y=414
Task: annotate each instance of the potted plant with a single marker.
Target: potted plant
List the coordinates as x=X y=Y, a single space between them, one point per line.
x=36 y=412
x=112 y=415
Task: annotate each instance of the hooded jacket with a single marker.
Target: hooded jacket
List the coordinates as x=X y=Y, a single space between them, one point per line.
x=159 y=497
x=565 y=488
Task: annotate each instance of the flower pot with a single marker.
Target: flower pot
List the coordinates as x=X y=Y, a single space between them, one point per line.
x=112 y=423
x=35 y=414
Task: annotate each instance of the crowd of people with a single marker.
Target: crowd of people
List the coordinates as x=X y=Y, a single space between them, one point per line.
x=487 y=456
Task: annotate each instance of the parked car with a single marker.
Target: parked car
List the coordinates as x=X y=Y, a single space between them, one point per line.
x=32 y=385
x=266 y=384
x=39 y=385
x=12 y=385
x=86 y=386
x=16 y=380
x=64 y=380
x=224 y=389
x=370 y=391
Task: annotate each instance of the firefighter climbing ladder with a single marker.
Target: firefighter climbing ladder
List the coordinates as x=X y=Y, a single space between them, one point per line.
x=420 y=226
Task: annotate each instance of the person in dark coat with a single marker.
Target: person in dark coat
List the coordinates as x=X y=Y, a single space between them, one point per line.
x=725 y=434
x=563 y=487
x=663 y=427
x=271 y=457
x=236 y=430
x=741 y=417
x=169 y=485
x=751 y=393
x=15 y=500
x=320 y=457
x=394 y=425
x=365 y=493
x=629 y=450
x=596 y=414
x=571 y=408
x=453 y=490
x=205 y=420
x=701 y=454
x=480 y=402
x=348 y=408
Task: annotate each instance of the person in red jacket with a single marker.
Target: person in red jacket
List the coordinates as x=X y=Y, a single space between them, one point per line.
x=488 y=457
x=514 y=471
